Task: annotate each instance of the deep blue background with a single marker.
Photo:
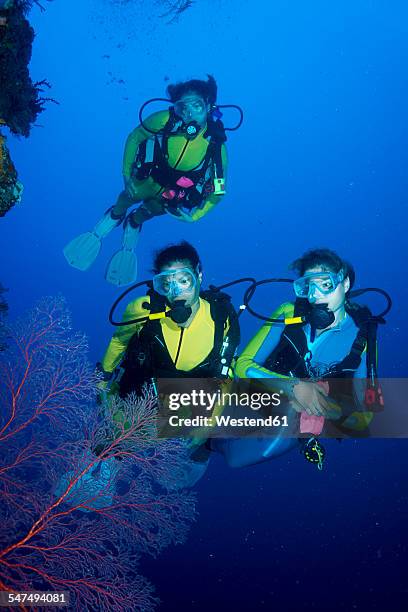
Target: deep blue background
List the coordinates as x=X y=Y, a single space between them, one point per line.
x=320 y=161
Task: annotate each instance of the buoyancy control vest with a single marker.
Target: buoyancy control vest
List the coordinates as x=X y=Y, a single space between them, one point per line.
x=147 y=355
x=182 y=188
x=290 y=357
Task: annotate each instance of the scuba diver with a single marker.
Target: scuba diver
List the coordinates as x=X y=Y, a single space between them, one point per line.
x=317 y=360
x=174 y=163
x=183 y=331
x=176 y=330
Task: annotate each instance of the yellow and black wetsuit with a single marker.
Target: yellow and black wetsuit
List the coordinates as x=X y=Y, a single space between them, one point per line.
x=183 y=155
x=187 y=347
x=174 y=350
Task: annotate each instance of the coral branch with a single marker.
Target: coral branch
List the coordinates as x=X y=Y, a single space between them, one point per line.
x=75 y=519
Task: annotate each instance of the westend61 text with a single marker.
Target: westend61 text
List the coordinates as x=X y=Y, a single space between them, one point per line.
x=228 y=421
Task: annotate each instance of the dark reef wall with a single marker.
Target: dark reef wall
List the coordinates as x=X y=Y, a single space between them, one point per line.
x=20 y=98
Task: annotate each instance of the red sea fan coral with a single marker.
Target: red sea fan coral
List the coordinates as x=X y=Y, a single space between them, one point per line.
x=72 y=520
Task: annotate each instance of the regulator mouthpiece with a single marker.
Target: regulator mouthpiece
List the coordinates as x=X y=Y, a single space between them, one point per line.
x=179 y=312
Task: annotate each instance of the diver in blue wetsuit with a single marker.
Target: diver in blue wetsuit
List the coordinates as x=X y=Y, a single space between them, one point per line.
x=308 y=358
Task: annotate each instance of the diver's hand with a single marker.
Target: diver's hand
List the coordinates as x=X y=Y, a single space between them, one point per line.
x=311 y=397
x=102 y=384
x=102 y=390
x=180 y=215
x=186 y=217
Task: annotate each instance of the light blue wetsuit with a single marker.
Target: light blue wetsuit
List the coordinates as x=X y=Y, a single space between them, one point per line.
x=330 y=348
x=327 y=350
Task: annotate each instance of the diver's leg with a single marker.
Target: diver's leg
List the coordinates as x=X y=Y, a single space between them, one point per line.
x=82 y=251
x=95 y=489
x=146 y=211
x=122 y=268
x=241 y=452
x=122 y=204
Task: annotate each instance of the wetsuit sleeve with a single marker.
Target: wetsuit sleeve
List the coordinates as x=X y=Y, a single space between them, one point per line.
x=249 y=364
x=213 y=199
x=120 y=339
x=155 y=122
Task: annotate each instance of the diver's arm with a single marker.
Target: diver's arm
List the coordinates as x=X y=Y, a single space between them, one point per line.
x=154 y=122
x=209 y=204
x=259 y=349
x=261 y=346
x=344 y=410
x=196 y=213
x=120 y=339
x=212 y=200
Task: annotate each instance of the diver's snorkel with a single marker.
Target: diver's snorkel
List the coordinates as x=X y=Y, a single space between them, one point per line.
x=191 y=129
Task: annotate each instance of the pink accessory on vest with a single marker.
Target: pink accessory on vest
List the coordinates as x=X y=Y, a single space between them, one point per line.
x=169 y=195
x=185 y=182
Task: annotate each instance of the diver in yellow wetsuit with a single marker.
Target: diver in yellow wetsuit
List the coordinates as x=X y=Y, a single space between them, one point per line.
x=198 y=342
x=205 y=330
x=174 y=162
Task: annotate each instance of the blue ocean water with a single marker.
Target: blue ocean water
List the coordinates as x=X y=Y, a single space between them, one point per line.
x=320 y=161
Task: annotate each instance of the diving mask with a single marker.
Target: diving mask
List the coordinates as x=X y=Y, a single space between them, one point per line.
x=324 y=282
x=174 y=282
x=188 y=108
